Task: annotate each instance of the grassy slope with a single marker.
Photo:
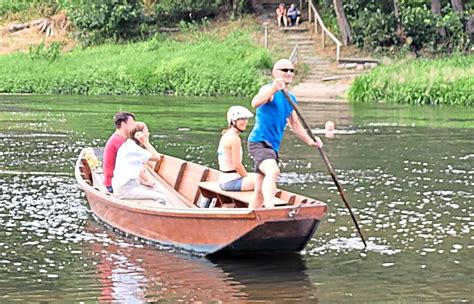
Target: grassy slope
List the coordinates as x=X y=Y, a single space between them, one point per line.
x=205 y=64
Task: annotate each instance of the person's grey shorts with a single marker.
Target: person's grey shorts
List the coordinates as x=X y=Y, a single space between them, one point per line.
x=233 y=185
x=260 y=151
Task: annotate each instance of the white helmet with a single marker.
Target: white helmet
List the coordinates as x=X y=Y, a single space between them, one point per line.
x=237 y=112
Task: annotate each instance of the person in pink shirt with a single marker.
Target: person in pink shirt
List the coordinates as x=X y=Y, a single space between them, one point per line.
x=124 y=121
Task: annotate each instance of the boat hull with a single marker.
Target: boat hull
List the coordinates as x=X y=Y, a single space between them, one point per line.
x=206 y=230
x=207 y=233
x=275 y=236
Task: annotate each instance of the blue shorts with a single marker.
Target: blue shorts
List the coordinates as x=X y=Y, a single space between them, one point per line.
x=233 y=185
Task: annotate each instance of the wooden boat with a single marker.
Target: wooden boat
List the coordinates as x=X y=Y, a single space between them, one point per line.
x=188 y=222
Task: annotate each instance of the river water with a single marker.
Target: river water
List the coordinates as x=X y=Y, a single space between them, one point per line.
x=407 y=172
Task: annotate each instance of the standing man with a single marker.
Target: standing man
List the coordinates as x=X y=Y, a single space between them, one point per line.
x=273 y=112
x=124 y=121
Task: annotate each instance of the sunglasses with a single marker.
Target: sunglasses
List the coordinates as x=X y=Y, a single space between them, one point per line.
x=287 y=70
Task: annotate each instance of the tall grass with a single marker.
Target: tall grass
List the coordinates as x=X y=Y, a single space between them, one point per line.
x=447 y=81
x=204 y=66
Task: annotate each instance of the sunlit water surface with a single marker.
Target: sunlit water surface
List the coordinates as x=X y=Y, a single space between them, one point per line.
x=407 y=171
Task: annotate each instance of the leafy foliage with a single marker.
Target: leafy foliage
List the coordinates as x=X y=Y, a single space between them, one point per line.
x=419 y=26
x=456 y=39
x=43 y=52
x=98 y=21
x=375 y=26
x=374 y=29
x=170 y=11
x=101 y=20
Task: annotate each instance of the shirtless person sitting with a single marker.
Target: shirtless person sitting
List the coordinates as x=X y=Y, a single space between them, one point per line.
x=281 y=15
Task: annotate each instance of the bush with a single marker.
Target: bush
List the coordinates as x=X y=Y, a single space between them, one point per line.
x=374 y=29
x=101 y=20
x=51 y=53
x=456 y=39
x=419 y=27
x=374 y=26
x=170 y=11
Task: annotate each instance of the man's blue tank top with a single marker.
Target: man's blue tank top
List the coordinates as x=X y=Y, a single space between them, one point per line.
x=270 y=120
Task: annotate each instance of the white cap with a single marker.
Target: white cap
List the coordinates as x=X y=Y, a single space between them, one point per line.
x=237 y=112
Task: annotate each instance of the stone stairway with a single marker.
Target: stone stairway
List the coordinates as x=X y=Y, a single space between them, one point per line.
x=317 y=84
x=318 y=67
x=325 y=78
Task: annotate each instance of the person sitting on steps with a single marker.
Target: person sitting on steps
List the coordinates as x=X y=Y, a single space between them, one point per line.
x=281 y=15
x=294 y=15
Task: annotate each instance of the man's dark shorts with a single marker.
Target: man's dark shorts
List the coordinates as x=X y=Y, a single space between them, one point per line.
x=260 y=151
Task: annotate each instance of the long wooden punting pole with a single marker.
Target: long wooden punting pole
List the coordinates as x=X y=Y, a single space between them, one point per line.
x=328 y=164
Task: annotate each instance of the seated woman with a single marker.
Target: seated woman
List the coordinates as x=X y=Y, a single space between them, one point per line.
x=233 y=175
x=129 y=174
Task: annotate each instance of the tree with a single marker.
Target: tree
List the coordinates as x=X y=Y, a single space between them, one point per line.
x=457 y=6
x=342 y=22
x=436 y=9
x=470 y=27
x=236 y=8
x=396 y=11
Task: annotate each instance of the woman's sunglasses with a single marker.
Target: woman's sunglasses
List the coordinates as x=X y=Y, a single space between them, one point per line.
x=287 y=70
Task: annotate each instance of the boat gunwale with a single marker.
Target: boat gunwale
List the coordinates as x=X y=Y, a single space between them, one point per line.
x=244 y=213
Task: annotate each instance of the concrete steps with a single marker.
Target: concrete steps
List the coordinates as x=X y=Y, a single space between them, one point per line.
x=324 y=80
x=294 y=29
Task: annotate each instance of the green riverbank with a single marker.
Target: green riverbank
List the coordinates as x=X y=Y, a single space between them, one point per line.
x=205 y=64
x=447 y=81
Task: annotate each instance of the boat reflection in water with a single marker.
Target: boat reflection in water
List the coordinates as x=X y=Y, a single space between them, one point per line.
x=272 y=278
x=133 y=273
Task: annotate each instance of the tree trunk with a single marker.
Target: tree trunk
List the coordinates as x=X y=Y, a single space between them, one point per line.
x=457 y=6
x=399 y=30
x=436 y=10
x=470 y=27
x=343 y=23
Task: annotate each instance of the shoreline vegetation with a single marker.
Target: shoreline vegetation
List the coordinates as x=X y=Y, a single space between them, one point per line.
x=120 y=51
x=442 y=81
x=204 y=64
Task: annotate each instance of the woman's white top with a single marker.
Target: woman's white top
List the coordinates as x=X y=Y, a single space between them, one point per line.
x=129 y=162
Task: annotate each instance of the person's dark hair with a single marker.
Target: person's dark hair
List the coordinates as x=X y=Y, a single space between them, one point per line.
x=122 y=117
x=136 y=128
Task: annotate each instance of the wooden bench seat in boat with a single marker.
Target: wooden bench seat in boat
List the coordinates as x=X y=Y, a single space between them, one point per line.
x=173 y=201
x=237 y=198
